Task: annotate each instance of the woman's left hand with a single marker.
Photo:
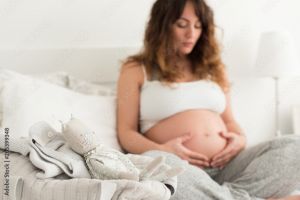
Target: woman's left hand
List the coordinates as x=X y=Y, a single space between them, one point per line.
x=235 y=144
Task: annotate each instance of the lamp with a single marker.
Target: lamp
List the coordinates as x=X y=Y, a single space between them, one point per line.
x=277 y=58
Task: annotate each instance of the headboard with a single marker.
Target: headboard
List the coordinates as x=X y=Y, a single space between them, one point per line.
x=99 y=65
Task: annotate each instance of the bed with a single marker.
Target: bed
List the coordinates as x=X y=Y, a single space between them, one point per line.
x=52 y=85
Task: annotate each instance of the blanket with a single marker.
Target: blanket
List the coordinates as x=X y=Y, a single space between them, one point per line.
x=24 y=185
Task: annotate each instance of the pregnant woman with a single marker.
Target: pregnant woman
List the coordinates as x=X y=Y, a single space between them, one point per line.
x=174 y=100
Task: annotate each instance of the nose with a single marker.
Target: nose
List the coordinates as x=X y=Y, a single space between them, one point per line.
x=191 y=31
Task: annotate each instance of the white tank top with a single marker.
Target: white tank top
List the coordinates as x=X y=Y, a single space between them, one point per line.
x=158 y=101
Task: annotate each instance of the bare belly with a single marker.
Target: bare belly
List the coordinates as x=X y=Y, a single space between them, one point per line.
x=204 y=125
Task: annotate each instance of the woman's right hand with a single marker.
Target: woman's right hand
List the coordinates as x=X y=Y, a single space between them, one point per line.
x=177 y=147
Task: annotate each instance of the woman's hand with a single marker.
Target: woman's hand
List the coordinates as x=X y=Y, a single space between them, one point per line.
x=235 y=144
x=176 y=146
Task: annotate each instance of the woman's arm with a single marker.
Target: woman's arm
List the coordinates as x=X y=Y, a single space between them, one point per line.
x=227 y=116
x=128 y=101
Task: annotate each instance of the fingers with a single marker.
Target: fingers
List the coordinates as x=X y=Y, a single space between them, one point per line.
x=192 y=157
x=195 y=158
x=221 y=162
x=232 y=149
x=224 y=157
x=226 y=134
x=200 y=163
x=185 y=137
x=196 y=155
x=227 y=150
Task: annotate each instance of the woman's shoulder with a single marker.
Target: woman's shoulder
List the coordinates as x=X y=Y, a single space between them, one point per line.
x=133 y=70
x=130 y=64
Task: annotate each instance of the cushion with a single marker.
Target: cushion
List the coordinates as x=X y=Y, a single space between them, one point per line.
x=87 y=87
x=76 y=84
x=27 y=100
x=60 y=78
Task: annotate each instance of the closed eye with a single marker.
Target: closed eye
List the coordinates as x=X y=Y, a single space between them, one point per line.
x=183 y=23
x=198 y=26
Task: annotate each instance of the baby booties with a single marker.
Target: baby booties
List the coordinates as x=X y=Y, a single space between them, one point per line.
x=102 y=162
x=107 y=163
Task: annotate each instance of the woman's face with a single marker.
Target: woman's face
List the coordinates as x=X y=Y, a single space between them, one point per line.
x=186 y=30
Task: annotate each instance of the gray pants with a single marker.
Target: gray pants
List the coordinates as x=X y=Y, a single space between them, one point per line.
x=269 y=169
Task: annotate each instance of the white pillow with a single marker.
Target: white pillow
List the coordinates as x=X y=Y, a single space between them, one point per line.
x=58 y=78
x=5 y=75
x=88 y=87
x=27 y=100
x=74 y=83
x=61 y=78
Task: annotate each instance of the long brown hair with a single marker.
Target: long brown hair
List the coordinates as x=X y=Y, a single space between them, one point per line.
x=158 y=50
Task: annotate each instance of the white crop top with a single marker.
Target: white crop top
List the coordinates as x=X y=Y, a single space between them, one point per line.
x=158 y=101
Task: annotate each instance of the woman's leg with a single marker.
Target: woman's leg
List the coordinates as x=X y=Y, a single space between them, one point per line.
x=270 y=169
x=195 y=183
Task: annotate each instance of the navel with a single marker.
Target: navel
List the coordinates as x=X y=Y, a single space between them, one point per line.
x=206 y=134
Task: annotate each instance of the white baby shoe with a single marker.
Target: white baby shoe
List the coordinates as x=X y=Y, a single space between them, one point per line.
x=107 y=163
x=103 y=162
x=42 y=133
x=79 y=137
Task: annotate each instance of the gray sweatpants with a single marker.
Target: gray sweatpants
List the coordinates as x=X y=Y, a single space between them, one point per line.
x=269 y=169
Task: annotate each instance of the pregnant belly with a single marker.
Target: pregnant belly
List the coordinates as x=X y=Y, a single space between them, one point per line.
x=204 y=125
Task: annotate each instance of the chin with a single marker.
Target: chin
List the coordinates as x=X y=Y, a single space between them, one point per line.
x=186 y=51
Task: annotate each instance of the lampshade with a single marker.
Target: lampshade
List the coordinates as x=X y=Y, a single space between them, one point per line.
x=277 y=55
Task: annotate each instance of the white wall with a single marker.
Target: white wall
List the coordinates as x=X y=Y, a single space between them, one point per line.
x=69 y=23
x=242 y=22
x=94 y=23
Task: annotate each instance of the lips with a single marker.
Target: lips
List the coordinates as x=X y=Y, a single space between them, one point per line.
x=188 y=44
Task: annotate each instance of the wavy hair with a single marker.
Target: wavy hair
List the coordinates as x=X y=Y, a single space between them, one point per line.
x=158 y=52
